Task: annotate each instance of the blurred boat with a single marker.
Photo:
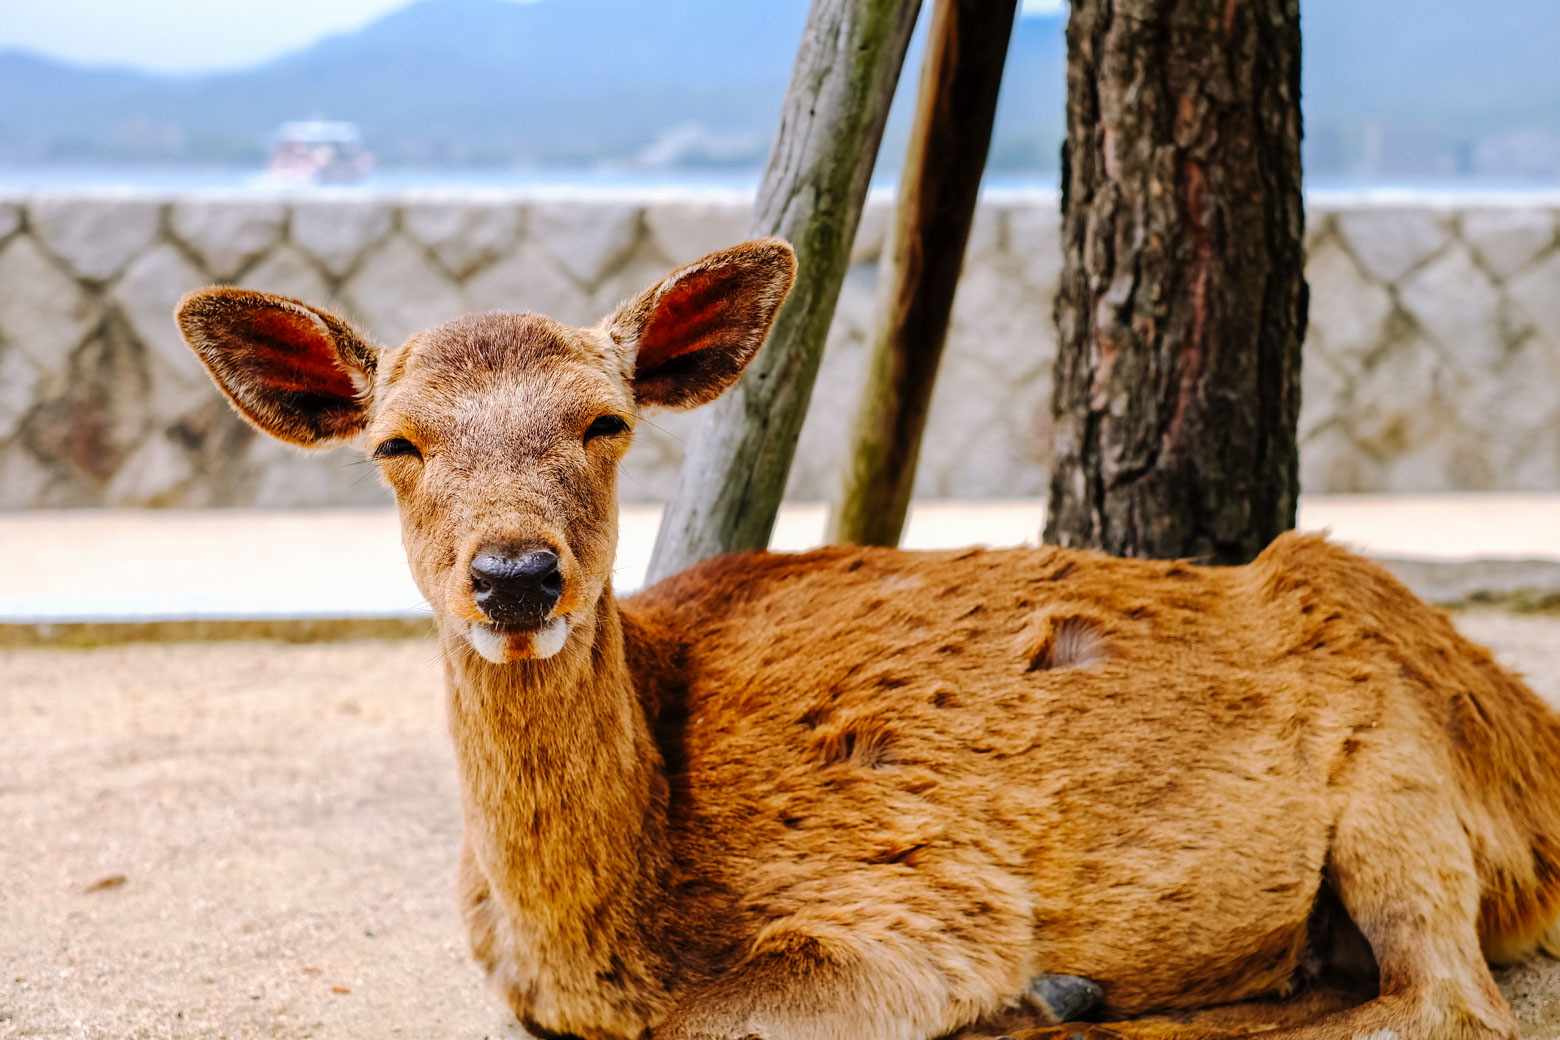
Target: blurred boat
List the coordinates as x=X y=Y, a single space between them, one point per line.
x=319 y=152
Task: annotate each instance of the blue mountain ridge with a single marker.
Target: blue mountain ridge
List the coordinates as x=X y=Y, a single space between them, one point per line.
x=570 y=82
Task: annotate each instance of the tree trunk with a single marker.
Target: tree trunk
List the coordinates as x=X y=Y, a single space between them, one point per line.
x=729 y=488
x=1183 y=301
x=937 y=194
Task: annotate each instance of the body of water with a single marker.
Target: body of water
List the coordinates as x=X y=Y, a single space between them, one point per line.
x=173 y=180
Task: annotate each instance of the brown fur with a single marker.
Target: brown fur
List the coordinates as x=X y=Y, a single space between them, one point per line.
x=863 y=793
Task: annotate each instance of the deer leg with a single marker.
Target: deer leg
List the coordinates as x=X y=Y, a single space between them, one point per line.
x=802 y=993
x=1222 y=1022
x=1403 y=868
x=1404 y=872
x=799 y=994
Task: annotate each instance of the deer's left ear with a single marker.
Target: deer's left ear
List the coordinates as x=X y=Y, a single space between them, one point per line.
x=693 y=333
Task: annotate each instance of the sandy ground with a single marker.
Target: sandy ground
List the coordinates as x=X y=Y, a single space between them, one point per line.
x=258 y=840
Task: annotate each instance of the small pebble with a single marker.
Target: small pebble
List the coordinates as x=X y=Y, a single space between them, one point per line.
x=1065 y=997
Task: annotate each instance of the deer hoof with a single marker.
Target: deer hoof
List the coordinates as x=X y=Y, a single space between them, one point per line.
x=1065 y=997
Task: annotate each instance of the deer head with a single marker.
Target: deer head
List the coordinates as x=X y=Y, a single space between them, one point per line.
x=499 y=433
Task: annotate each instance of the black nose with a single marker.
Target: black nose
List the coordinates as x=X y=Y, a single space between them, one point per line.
x=516 y=589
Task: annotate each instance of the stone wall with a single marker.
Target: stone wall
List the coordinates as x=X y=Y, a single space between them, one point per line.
x=1433 y=362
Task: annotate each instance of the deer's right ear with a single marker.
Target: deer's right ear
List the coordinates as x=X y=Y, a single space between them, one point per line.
x=298 y=373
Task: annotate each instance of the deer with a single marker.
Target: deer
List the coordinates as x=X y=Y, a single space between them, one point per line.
x=870 y=794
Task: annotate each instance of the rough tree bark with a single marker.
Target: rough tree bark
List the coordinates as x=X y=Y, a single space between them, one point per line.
x=1183 y=303
x=937 y=193
x=734 y=473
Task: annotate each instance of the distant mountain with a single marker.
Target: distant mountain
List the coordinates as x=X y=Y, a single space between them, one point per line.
x=1391 y=86
x=1032 y=107
x=1407 y=87
x=1409 y=60
x=439 y=81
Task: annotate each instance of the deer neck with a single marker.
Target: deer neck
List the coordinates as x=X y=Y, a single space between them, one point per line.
x=562 y=787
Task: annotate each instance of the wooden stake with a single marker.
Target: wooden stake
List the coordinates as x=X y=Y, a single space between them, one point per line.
x=937 y=196
x=734 y=473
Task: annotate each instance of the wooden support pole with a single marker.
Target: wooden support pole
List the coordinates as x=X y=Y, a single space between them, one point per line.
x=734 y=473
x=937 y=195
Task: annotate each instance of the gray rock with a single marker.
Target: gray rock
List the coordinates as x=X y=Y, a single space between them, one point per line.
x=1507 y=237
x=285 y=476
x=872 y=233
x=396 y=291
x=1512 y=414
x=1403 y=404
x=988 y=241
x=530 y=279
x=817 y=468
x=1454 y=302
x=1324 y=388
x=685 y=231
x=26 y=483
x=976 y=417
x=1348 y=312
x=1000 y=323
x=288 y=271
x=88 y=429
x=1536 y=463
x=97 y=238
x=825 y=436
x=156 y=474
x=178 y=386
x=1537 y=300
x=19 y=381
x=630 y=276
x=1391 y=241
x=1034 y=241
x=44 y=313
x=1065 y=997
x=1331 y=463
x=228 y=233
x=856 y=309
x=1452 y=390
x=464 y=235
x=146 y=295
x=1319 y=226
x=587 y=238
x=336 y=232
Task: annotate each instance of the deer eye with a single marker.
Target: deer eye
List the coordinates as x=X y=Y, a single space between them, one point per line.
x=606 y=426
x=396 y=446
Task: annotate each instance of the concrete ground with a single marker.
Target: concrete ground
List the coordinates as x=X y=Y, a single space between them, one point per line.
x=141 y=566
x=254 y=839
x=236 y=839
x=231 y=840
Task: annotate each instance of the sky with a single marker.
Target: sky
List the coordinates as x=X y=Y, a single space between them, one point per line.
x=198 y=35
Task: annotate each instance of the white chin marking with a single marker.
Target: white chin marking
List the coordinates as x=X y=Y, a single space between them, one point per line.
x=492 y=645
x=501 y=647
x=549 y=639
